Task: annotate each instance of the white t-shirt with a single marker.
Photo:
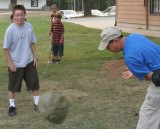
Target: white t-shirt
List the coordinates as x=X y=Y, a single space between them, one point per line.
x=18 y=40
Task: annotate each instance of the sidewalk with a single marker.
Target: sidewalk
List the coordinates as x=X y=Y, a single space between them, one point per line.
x=104 y=22
x=140 y=31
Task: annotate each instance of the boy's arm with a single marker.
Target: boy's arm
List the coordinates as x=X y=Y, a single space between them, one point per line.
x=62 y=38
x=50 y=27
x=9 y=61
x=33 y=47
x=50 y=33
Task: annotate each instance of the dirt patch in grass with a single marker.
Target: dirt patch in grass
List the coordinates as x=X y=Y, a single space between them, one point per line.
x=114 y=68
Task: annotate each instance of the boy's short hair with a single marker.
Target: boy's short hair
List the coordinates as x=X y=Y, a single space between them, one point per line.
x=19 y=7
x=54 y=6
x=58 y=15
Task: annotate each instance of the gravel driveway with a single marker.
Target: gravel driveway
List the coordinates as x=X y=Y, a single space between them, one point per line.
x=93 y=22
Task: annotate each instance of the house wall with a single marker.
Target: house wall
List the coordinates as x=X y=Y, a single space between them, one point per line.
x=153 y=21
x=27 y=4
x=132 y=13
x=4 y=4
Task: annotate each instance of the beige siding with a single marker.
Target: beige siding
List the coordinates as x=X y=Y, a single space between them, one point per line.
x=132 y=21
x=132 y=13
x=153 y=19
x=132 y=17
x=130 y=2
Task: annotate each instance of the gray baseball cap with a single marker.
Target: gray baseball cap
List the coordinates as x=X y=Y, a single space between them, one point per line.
x=107 y=35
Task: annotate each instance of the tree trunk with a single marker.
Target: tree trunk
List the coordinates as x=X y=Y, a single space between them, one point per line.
x=87 y=7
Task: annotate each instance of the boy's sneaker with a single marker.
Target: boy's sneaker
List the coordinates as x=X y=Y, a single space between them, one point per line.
x=54 y=61
x=58 y=61
x=12 y=111
x=35 y=107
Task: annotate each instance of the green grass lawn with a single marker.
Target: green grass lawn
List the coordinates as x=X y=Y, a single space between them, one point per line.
x=97 y=100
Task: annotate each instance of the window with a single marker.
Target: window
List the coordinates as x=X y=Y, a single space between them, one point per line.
x=34 y=3
x=155 y=6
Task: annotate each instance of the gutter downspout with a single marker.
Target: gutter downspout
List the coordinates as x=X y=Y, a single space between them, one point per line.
x=115 y=23
x=146 y=14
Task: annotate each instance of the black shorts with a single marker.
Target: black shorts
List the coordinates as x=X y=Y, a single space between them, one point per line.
x=58 y=49
x=30 y=76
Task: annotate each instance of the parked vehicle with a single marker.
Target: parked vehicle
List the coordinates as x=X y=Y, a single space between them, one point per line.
x=67 y=14
x=95 y=12
x=110 y=11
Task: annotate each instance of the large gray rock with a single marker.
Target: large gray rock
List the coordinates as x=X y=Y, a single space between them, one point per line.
x=54 y=106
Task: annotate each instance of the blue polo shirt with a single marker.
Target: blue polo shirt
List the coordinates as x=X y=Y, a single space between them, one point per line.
x=141 y=55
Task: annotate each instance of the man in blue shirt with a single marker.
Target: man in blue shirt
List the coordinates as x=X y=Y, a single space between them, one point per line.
x=142 y=57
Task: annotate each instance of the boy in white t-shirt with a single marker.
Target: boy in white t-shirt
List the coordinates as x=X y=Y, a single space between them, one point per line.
x=20 y=52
